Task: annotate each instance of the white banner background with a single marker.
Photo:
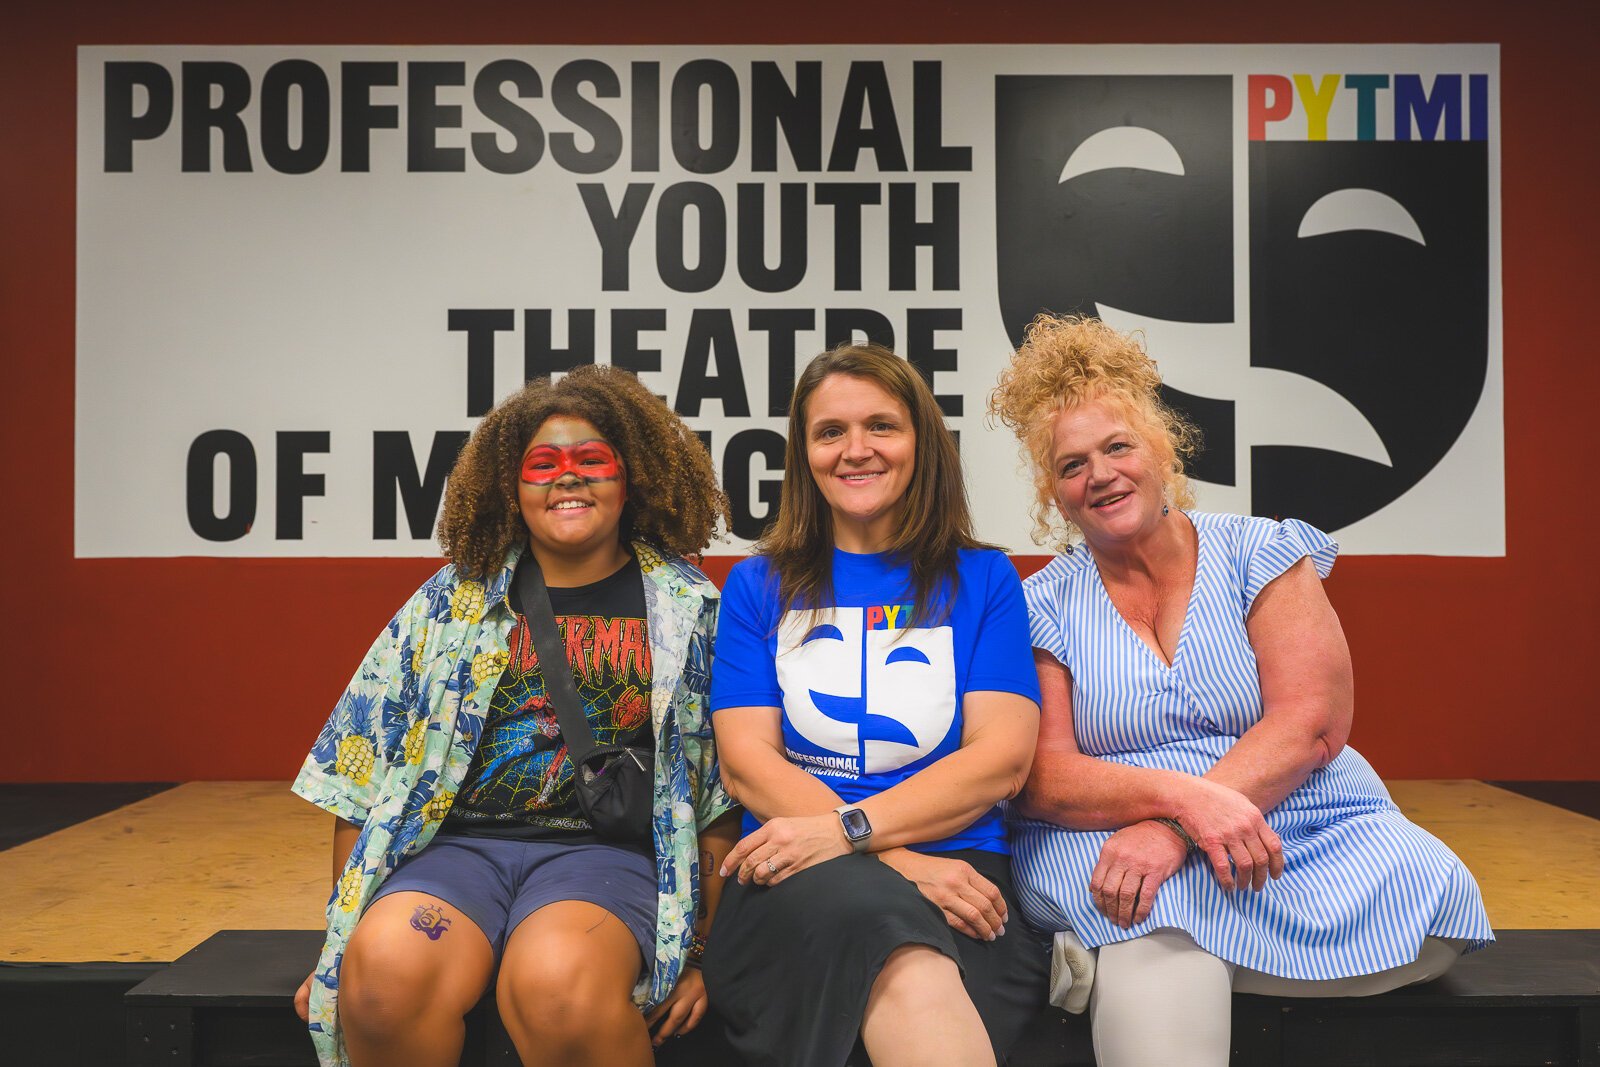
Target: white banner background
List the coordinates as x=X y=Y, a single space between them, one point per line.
x=266 y=302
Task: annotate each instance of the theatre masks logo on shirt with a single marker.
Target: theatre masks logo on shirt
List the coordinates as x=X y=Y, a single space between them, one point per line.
x=1366 y=346
x=861 y=694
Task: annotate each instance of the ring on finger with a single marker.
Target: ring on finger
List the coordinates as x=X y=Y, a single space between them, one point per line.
x=772 y=868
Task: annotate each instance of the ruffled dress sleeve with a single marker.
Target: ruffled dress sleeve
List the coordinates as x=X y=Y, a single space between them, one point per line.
x=1044 y=593
x=1267 y=548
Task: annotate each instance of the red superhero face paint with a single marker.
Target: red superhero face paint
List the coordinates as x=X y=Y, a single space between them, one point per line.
x=572 y=489
x=590 y=461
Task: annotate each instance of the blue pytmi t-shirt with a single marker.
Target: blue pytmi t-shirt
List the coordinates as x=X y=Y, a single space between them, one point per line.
x=867 y=702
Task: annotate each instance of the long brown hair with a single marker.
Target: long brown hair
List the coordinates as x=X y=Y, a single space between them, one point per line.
x=935 y=520
x=673 y=499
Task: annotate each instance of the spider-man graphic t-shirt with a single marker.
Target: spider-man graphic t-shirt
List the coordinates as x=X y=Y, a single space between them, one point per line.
x=520 y=782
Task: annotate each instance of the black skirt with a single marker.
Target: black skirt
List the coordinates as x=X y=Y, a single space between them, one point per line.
x=789 y=968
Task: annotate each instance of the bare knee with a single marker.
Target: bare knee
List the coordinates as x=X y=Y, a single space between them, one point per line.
x=382 y=986
x=919 y=1012
x=557 y=997
x=911 y=974
x=558 y=1010
x=389 y=983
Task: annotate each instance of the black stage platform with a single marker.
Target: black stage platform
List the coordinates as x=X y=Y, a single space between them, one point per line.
x=1534 y=998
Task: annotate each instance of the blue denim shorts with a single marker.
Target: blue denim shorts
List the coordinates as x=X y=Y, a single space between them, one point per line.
x=498 y=882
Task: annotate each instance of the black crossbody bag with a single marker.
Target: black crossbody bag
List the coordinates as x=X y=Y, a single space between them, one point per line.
x=615 y=784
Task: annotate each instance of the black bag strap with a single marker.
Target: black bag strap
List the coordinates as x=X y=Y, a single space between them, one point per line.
x=532 y=596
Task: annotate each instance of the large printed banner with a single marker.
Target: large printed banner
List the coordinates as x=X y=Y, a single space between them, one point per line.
x=304 y=273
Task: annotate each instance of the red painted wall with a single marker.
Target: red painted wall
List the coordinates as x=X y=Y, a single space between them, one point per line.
x=207 y=668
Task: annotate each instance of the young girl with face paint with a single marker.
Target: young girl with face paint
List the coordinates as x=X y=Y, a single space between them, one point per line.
x=460 y=851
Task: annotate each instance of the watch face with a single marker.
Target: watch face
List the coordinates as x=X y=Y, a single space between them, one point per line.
x=855 y=822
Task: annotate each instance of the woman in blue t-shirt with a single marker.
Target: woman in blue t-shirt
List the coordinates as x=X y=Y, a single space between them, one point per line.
x=874 y=701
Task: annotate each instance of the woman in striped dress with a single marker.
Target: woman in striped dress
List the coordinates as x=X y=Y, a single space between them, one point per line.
x=1193 y=811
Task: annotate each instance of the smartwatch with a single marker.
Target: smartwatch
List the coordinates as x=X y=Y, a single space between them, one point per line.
x=857 y=830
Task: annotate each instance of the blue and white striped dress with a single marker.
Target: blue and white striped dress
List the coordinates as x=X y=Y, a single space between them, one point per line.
x=1362 y=886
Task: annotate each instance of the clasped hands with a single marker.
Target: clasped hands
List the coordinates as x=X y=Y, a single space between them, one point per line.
x=1242 y=849
x=970 y=902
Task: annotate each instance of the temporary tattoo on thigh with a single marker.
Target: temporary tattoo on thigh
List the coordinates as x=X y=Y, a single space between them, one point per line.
x=430 y=919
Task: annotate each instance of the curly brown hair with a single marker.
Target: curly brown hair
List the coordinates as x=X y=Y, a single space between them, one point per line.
x=935 y=519
x=673 y=498
x=1069 y=360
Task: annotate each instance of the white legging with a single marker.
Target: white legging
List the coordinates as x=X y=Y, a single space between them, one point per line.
x=1162 y=999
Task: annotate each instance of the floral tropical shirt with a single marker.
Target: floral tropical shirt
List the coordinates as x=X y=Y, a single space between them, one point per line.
x=399 y=742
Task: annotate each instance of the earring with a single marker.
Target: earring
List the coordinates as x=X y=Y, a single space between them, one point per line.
x=1165 y=510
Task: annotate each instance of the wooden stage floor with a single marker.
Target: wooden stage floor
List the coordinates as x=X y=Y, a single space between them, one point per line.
x=149 y=881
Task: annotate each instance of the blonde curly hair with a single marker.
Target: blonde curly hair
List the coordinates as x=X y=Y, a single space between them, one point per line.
x=1069 y=360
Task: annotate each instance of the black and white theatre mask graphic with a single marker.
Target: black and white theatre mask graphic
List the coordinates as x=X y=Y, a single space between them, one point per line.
x=1338 y=369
